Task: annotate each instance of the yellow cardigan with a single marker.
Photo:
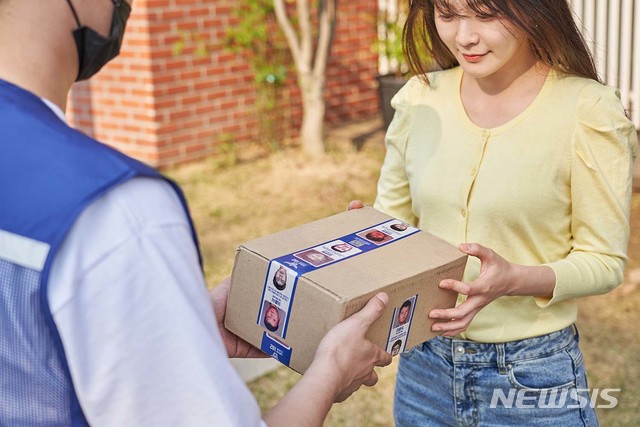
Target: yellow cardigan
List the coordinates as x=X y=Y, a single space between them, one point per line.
x=551 y=186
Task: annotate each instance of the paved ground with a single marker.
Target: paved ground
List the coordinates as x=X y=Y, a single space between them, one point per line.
x=250 y=369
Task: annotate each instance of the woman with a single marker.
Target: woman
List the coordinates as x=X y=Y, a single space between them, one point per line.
x=517 y=147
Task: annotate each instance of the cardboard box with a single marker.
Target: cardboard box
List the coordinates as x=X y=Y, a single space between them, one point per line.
x=288 y=289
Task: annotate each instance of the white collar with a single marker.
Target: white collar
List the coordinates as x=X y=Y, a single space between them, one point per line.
x=57 y=110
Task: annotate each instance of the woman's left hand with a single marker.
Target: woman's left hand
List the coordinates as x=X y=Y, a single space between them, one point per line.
x=495 y=279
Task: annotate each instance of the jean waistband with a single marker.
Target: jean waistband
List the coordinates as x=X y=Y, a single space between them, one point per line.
x=465 y=351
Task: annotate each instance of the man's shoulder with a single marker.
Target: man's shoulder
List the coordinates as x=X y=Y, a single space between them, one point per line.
x=128 y=212
x=135 y=205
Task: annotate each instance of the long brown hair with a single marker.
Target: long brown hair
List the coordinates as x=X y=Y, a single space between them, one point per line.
x=548 y=24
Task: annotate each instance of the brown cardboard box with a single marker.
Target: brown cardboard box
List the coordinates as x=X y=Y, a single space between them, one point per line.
x=350 y=267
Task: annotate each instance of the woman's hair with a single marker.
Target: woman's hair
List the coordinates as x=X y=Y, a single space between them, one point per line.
x=548 y=24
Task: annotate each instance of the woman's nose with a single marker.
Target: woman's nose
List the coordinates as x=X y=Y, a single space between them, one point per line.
x=467 y=33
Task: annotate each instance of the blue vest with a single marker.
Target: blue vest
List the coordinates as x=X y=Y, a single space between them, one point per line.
x=49 y=173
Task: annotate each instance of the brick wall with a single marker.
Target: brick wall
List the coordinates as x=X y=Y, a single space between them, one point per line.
x=167 y=107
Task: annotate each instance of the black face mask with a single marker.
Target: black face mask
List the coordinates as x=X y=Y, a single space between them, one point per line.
x=95 y=50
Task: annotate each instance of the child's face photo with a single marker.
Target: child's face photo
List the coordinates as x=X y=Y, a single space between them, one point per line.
x=314 y=257
x=375 y=236
x=399 y=227
x=403 y=315
x=342 y=247
x=272 y=317
x=281 y=276
x=395 y=349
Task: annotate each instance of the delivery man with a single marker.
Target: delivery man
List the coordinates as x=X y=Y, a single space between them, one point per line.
x=104 y=314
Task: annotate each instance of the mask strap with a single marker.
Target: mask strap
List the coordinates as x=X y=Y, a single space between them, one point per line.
x=75 y=14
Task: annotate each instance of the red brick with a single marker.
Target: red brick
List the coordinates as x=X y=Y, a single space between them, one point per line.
x=139 y=97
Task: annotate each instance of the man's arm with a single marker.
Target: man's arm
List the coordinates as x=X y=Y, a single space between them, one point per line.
x=343 y=362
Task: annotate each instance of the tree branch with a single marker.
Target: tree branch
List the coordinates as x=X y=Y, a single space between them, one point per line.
x=289 y=32
x=306 y=34
x=327 y=22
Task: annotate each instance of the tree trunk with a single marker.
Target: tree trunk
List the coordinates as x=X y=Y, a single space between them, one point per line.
x=313 y=109
x=311 y=64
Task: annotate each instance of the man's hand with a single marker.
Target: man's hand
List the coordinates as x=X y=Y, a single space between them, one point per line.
x=344 y=360
x=346 y=357
x=236 y=347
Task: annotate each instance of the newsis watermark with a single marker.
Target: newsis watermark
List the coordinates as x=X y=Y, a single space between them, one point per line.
x=550 y=399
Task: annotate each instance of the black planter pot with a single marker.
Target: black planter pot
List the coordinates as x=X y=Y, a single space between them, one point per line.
x=388 y=86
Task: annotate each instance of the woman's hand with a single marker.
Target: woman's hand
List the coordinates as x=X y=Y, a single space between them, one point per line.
x=355 y=204
x=498 y=277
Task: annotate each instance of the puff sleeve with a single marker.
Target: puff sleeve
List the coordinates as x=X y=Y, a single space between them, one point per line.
x=394 y=196
x=603 y=149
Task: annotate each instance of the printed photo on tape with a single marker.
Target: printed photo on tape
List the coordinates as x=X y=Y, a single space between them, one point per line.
x=396 y=347
x=280 y=278
x=399 y=227
x=404 y=313
x=314 y=257
x=342 y=247
x=375 y=236
x=272 y=318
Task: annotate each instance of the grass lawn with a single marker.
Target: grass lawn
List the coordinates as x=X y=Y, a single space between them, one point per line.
x=243 y=196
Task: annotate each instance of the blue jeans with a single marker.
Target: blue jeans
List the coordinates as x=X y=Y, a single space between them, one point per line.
x=538 y=381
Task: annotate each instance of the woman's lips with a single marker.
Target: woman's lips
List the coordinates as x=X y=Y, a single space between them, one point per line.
x=473 y=57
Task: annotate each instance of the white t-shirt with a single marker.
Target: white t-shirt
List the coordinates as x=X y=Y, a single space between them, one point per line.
x=132 y=309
